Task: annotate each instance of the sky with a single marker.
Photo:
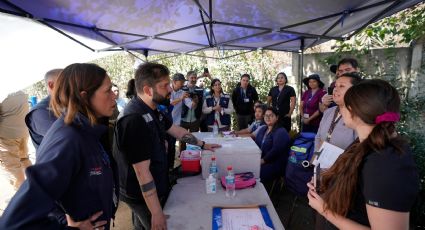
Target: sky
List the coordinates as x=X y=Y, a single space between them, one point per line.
x=29 y=49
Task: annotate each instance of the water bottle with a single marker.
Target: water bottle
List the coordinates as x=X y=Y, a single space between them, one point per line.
x=230 y=183
x=211 y=184
x=213 y=167
x=215 y=128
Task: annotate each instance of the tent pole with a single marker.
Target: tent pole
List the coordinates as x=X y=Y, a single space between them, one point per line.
x=300 y=76
x=211 y=23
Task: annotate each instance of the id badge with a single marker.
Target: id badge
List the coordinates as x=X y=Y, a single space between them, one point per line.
x=246 y=100
x=306 y=115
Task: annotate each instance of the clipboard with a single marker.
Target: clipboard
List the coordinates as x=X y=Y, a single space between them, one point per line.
x=217 y=219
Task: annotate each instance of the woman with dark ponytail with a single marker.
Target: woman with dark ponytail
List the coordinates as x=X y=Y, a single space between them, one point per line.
x=374 y=183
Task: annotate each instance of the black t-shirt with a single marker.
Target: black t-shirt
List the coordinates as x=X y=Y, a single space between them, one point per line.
x=388 y=180
x=135 y=137
x=281 y=99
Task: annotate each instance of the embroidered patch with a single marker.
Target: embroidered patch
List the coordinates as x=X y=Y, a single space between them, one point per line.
x=373 y=203
x=148 y=118
x=96 y=171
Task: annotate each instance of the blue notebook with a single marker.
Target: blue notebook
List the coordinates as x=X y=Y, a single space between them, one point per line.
x=217 y=222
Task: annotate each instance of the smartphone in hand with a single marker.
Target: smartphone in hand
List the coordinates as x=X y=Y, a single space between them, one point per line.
x=316 y=177
x=206 y=70
x=330 y=90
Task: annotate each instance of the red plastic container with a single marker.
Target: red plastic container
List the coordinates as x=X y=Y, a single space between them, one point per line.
x=191 y=161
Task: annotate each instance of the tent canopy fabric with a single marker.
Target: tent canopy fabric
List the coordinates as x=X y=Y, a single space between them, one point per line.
x=186 y=26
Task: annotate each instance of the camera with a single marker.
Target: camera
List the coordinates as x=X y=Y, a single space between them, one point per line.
x=193 y=91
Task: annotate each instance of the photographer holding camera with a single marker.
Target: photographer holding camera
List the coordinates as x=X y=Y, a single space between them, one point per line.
x=190 y=117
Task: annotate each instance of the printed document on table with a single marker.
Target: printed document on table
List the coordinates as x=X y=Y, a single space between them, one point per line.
x=243 y=218
x=329 y=154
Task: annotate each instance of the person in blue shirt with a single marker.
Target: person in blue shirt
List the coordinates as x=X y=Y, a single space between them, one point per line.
x=41 y=117
x=255 y=126
x=72 y=171
x=273 y=140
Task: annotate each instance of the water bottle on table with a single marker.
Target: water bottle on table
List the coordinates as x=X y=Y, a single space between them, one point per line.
x=211 y=184
x=230 y=182
x=215 y=128
x=213 y=167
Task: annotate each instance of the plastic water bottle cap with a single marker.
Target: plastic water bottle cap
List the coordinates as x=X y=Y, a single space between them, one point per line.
x=213 y=158
x=229 y=167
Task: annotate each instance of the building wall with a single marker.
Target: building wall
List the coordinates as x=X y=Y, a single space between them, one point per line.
x=404 y=67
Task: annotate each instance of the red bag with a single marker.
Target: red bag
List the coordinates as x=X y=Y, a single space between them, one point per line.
x=242 y=180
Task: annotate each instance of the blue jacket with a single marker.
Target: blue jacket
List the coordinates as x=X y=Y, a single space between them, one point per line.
x=224 y=103
x=274 y=151
x=72 y=171
x=39 y=120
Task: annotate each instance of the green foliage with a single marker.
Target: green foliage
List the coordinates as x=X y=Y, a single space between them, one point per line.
x=403 y=27
x=119 y=68
x=38 y=89
x=412 y=126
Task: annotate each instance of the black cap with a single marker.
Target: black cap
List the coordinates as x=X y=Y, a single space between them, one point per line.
x=333 y=68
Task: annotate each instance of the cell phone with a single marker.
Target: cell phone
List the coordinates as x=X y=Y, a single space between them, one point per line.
x=316 y=177
x=330 y=90
x=206 y=70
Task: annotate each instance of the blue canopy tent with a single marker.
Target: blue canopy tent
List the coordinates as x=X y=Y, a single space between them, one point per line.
x=178 y=27
x=187 y=26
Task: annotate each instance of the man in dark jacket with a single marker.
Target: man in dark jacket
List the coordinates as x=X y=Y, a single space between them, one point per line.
x=40 y=118
x=243 y=97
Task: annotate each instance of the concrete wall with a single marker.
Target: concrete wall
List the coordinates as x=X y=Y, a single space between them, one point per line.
x=403 y=66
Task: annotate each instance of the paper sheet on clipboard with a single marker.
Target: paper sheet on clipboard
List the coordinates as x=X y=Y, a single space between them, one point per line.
x=244 y=218
x=328 y=155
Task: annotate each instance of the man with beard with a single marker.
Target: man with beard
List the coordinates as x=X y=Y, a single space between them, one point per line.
x=140 y=148
x=191 y=117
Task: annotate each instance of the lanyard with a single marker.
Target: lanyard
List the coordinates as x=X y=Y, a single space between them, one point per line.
x=264 y=137
x=307 y=103
x=243 y=92
x=335 y=120
x=216 y=101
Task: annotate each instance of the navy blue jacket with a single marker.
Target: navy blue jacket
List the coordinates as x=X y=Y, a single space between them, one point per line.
x=72 y=171
x=39 y=120
x=274 y=151
x=224 y=103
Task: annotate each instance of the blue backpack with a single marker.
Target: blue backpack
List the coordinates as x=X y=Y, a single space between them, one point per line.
x=298 y=171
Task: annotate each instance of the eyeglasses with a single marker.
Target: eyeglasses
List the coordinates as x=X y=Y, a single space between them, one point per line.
x=217 y=84
x=269 y=115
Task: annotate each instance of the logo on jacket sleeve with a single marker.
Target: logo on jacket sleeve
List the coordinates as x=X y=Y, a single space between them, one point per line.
x=95 y=171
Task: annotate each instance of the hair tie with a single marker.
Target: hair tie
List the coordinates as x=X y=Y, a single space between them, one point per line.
x=387 y=116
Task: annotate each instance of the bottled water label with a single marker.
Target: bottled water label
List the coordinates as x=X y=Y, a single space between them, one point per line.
x=213 y=170
x=230 y=180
